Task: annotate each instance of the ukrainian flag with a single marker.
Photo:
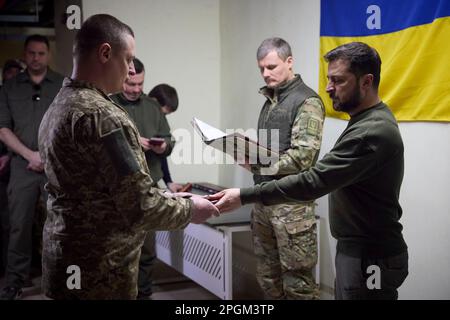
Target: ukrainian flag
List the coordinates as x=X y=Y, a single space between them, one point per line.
x=413 y=40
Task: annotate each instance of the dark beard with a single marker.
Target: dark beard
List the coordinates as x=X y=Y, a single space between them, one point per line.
x=351 y=104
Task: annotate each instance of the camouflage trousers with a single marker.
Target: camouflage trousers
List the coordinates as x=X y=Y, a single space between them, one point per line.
x=285 y=244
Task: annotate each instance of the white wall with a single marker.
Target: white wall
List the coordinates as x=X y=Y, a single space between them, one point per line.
x=179 y=43
x=424 y=194
x=243 y=25
x=426 y=209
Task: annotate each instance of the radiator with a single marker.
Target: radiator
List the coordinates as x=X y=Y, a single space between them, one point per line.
x=206 y=254
x=198 y=252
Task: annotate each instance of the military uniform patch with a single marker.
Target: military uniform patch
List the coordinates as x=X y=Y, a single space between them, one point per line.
x=120 y=152
x=312 y=127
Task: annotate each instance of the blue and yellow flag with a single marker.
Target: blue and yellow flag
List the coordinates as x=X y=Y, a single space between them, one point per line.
x=413 y=40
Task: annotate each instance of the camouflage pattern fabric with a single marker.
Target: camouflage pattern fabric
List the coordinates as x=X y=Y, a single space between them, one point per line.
x=306 y=140
x=285 y=242
x=285 y=235
x=101 y=200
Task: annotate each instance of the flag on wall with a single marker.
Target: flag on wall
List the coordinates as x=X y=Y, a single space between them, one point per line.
x=413 y=40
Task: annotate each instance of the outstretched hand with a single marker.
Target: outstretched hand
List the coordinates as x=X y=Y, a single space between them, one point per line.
x=226 y=200
x=202 y=208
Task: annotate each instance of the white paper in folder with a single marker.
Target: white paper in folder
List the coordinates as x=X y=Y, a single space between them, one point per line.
x=237 y=145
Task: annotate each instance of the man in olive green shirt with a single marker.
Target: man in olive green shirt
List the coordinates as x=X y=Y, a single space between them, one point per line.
x=151 y=123
x=23 y=102
x=363 y=174
x=149 y=119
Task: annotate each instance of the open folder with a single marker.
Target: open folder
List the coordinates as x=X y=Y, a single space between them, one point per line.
x=237 y=145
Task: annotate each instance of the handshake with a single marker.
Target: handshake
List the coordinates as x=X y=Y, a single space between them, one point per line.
x=205 y=207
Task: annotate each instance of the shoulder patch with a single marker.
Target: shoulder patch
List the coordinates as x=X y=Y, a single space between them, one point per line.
x=312 y=127
x=120 y=152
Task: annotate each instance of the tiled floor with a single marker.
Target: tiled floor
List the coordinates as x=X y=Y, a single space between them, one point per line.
x=187 y=290
x=168 y=285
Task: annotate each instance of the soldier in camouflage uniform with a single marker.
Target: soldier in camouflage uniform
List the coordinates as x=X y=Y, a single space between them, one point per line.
x=101 y=200
x=285 y=235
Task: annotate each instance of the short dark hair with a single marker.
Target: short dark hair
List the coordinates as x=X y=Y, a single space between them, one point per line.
x=138 y=66
x=362 y=58
x=98 y=29
x=37 y=38
x=165 y=95
x=281 y=46
x=11 y=64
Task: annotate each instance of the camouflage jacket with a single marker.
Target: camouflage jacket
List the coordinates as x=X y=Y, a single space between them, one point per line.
x=101 y=202
x=306 y=131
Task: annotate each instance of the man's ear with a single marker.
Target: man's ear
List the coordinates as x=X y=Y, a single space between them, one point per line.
x=367 y=81
x=104 y=52
x=290 y=61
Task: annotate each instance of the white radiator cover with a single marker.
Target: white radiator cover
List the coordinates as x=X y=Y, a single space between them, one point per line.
x=206 y=254
x=198 y=253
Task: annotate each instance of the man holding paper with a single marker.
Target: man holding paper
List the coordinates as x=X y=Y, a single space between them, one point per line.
x=284 y=235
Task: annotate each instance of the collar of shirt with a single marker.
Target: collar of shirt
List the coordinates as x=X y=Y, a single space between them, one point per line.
x=71 y=83
x=125 y=102
x=81 y=84
x=275 y=95
x=50 y=76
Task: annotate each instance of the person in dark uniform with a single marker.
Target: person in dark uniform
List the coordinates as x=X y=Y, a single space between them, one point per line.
x=23 y=102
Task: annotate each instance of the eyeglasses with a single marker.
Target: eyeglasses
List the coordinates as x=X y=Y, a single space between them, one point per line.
x=37 y=95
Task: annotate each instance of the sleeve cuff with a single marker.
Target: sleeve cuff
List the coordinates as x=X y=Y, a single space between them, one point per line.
x=249 y=195
x=191 y=209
